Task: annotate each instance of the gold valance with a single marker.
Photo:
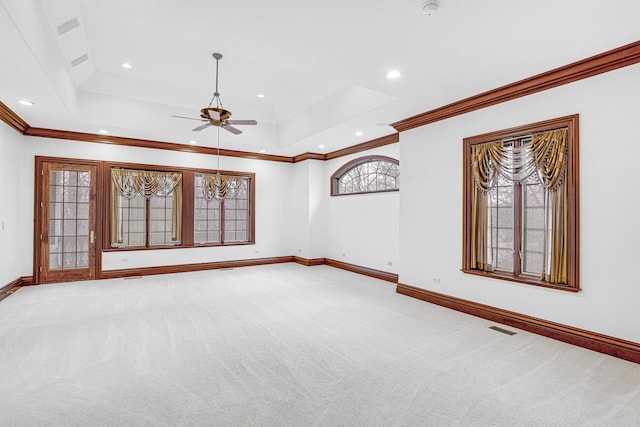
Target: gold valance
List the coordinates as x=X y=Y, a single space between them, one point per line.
x=220 y=186
x=545 y=154
x=131 y=182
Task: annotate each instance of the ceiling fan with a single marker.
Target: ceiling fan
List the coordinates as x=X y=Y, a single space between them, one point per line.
x=218 y=116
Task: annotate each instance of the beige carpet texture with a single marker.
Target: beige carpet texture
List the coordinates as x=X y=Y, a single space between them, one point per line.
x=287 y=345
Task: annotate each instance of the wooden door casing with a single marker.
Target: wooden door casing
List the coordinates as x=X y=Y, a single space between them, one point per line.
x=70 y=269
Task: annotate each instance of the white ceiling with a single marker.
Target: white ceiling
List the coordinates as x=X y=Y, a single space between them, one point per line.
x=320 y=64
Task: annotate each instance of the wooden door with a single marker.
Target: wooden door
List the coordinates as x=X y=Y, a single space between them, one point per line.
x=67 y=222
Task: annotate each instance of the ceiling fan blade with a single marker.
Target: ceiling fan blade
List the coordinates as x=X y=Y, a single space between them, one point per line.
x=242 y=122
x=189 y=118
x=232 y=129
x=199 y=128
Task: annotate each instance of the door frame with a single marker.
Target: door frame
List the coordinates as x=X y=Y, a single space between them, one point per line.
x=38 y=213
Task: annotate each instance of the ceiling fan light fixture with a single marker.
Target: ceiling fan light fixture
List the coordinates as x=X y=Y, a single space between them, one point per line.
x=260 y=95
x=126 y=65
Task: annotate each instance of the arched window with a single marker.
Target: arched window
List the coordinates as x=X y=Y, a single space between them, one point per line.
x=370 y=174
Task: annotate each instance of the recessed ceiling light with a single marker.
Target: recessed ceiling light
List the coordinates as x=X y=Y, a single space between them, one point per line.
x=263 y=151
x=320 y=146
x=27 y=102
x=103 y=131
x=260 y=95
x=393 y=74
x=359 y=133
x=126 y=65
x=192 y=142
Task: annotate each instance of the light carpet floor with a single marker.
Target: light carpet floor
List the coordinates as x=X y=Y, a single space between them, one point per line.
x=286 y=345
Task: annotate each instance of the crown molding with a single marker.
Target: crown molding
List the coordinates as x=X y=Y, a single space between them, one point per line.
x=12 y=119
x=601 y=63
x=368 y=145
x=145 y=143
x=308 y=156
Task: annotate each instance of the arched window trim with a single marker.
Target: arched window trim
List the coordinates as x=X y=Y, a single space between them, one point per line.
x=335 y=178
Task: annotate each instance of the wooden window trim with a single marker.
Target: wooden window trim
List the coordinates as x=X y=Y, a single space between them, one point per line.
x=572 y=177
x=335 y=178
x=187 y=205
x=390 y=190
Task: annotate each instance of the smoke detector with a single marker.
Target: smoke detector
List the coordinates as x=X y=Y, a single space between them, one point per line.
x=430 y=7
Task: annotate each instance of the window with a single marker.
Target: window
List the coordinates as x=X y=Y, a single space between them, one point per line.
x=370 y=174
x=221 y=220
x=521 y=204
x=146 y=208
x=169 y=207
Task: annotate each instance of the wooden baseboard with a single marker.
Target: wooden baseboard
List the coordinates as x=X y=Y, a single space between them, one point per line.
x=9 y=288
x=183 y=268
x=623 y=349
x=14 y=285
x=26 y=281
x=371 y=272
x=309 y=262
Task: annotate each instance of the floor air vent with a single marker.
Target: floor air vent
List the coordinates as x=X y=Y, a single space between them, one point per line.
x=504 y=331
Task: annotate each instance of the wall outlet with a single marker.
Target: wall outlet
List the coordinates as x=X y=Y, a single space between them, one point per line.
x=256 y=251
x=299 y=250
x=343 y=254
x=125 y=259
x=3 y=225
x=389 y=263
x=436 y=280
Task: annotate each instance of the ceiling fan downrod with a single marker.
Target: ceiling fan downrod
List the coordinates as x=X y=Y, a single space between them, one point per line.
x=216 y=94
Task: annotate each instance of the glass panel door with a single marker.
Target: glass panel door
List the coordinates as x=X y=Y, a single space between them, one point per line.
x=68 y=222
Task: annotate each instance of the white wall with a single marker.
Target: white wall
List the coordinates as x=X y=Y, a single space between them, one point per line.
x=363 y=229
x=10 y=194
x=431 y=205
x=295 y=214
x=299 y=207
x=309 y=226
x=273 y=216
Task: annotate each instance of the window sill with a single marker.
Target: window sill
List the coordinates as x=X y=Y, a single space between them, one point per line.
x=392 y=190
x=213 y=245
x=151 y=248
x=524 y=280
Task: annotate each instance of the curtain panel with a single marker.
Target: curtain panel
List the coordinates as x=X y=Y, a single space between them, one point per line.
x=544 y=154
